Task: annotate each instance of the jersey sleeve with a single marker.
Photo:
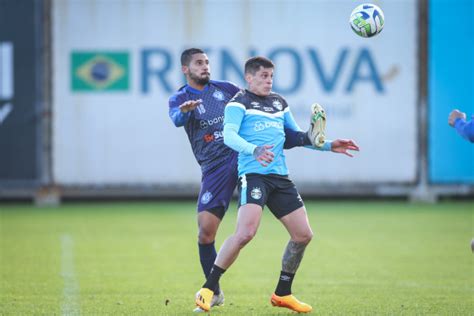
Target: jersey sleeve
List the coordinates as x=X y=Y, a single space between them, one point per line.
x=233 y=116
x=228 y=86
x=178 y=118
x=465 y=129
x=290 y=122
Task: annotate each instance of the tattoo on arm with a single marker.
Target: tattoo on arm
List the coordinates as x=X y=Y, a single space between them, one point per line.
x=292 y=257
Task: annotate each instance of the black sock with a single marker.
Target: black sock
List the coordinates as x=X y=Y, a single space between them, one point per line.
x=207 y=256
x=284 y=284
x=213 y=278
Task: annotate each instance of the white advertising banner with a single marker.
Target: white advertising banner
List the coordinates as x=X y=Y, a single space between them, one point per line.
x=117 y=62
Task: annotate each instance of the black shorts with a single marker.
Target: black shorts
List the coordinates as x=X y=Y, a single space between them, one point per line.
x=276 y=191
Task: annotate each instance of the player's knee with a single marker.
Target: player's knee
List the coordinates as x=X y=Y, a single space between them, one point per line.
x=304 y=238
x=206 y=236
x=245 y=237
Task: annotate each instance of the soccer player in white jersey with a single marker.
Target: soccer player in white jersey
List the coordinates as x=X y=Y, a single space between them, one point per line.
x=254 y=125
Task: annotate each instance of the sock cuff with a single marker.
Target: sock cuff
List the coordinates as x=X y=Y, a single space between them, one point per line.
x=218 y=269
x=206 y=245
x=287 y=273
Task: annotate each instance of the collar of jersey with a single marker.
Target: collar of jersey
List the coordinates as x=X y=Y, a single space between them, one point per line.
x=196 y=91
x=258 y=96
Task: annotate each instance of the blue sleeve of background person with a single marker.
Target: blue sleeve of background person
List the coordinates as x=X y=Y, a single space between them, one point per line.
x=233 y=116
x=465 y=129
x=230 y=87
x=290 y=124
x=179 y=118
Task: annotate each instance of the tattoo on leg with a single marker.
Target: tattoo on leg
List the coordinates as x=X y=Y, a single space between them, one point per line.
x=292 y=257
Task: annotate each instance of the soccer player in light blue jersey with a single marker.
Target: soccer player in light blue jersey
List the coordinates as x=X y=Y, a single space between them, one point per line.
x=457 y=119
x=199 y=108
x=254 y=125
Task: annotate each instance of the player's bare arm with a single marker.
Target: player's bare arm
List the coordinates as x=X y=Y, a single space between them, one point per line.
x=342 y=146
x=189 y=105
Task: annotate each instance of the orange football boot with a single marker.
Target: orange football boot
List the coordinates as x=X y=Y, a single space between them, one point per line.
x=291 y=302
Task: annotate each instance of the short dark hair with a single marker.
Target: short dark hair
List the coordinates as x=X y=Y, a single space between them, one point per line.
x=187 y=55
x=252 y=65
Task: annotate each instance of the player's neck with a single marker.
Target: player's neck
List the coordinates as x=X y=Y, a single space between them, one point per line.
x=196 y=86
x=257 y=93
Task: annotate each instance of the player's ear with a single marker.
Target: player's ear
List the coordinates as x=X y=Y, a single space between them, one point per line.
x=185 y=69
x=248 y=77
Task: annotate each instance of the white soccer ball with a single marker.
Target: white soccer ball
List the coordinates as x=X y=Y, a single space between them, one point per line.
x=367 y=20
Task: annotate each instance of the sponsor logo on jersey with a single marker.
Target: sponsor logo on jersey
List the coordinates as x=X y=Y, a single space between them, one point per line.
x=218 y=95
x=268 y=109
x=206 y=197
x=214 y=136
x=260 y=126
x=277 y=105
x=256 y=193
x=213 y=121
x=255 y=104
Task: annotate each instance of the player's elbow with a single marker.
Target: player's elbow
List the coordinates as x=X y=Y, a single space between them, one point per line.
x=177 y=123
x=176 y=120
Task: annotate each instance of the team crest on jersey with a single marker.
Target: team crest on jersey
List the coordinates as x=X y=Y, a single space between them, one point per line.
x=206 y=197
x=256 y=193
x=277 y=105
x=218 y=95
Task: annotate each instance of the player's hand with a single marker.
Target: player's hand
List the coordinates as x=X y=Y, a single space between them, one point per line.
x=454 y=115
x=342 y=146
x=263 y=155
x=189 y=105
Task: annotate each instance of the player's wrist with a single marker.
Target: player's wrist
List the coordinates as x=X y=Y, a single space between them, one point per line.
x=327 y=145
x=258 y=151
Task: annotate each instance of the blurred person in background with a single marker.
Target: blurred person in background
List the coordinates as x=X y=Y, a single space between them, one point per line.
x=254 y=125
x=457 y=119
x=199 y=107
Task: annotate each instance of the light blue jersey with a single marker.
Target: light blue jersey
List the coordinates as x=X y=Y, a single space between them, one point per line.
x=250 y=121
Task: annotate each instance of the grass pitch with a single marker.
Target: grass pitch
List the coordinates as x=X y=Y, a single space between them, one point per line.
x=367 y=258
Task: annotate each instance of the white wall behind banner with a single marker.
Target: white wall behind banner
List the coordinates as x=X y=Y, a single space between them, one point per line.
x=111 y=124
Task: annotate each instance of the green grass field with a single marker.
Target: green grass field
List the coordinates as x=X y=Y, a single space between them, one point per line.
x=367 y=258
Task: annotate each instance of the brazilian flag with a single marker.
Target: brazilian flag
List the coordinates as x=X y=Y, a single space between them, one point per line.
x=100 y=71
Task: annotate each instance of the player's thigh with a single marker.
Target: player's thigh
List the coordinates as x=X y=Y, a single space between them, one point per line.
x=297 y=225
x=248 y=220
x=208 y=222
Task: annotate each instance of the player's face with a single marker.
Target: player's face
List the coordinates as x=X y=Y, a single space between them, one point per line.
x=261 y=82
x=199 y=70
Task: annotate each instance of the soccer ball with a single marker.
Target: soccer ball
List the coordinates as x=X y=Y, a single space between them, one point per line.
x=367 y=20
